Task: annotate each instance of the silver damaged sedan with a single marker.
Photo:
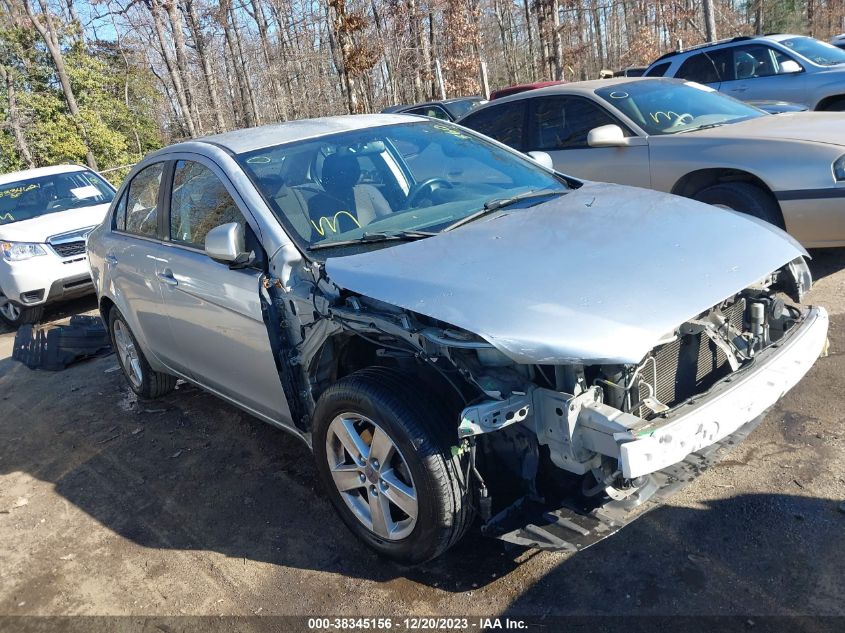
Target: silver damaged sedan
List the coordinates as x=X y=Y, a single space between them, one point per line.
x=455 y=331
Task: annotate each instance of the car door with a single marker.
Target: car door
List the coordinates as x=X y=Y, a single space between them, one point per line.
x=559 y=125
x=218 y=334
x=134 y=247
x=761 y=72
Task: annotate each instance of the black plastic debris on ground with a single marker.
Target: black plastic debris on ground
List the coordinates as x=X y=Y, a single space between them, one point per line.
x=55 y=347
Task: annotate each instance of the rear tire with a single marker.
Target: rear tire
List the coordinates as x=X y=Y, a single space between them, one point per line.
x=14 y=315
x=142 y=379
x=837 y=105
x=745 y=198
x=372 y=409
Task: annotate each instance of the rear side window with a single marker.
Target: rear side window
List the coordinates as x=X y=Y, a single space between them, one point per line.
x=505 y=123
x=199 y=203
x=435 y=112
x=699 y=68
x=659 y=70
x=141 y=210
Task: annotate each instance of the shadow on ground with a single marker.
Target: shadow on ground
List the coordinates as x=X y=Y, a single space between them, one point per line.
x=826 y=261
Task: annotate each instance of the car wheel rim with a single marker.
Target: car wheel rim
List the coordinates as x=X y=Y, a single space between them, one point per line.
x=372 y=476
x=128 y=354
x=9 y=309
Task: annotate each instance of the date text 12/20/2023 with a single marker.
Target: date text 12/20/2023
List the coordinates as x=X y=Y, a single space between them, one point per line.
x=417 y=623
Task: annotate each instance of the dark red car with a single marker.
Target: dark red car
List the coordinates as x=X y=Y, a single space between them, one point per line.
x=512 y=90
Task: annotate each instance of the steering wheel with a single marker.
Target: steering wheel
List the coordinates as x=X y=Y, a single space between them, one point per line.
x=426 y=186
x=683 y=119
x=55 y=204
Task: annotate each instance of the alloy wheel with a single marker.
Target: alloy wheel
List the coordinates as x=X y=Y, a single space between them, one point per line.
x=372 y=476
x=9 y=310
x=128 y=354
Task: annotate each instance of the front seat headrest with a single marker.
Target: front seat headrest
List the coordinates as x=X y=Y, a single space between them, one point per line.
x=341 y=172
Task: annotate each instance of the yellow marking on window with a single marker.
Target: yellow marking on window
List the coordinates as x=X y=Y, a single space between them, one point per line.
x=655 y=116
x=7 y=216
x=331 y=222
x=16 y=192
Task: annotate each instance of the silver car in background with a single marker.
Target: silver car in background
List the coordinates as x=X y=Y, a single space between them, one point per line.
x=452 y=329
x=690 y=140
x=777 y=66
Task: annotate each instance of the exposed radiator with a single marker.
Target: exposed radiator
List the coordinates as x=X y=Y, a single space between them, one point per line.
x=680 y=369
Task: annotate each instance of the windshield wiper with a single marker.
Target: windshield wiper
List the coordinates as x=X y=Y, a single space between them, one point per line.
x=368 y=238
x=495 y=204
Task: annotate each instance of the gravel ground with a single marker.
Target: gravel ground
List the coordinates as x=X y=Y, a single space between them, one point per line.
x=188 y=506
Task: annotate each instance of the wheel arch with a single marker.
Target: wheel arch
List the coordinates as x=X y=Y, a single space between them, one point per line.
x=695 y=181
x=345 y=353
x=827 y=101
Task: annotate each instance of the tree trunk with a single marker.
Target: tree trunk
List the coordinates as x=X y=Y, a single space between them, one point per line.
x=709 y=20
x=244 y=75
x=202 y=52
x=261 y=21
x=175 y=17
x=529 y=29
x=14 y=117
x=557 y=42
x=337 y=15
x=164 y=43
x=48 y=33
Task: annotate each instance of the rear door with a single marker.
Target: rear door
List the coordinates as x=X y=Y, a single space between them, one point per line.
x=559 y=125
x=130 y=260
x=218 y=333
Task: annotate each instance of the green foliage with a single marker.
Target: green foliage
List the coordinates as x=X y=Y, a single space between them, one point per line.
x=117 y=102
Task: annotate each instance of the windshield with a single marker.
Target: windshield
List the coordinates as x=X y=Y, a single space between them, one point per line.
x=389 y=180
x=664 y=107
x=34 y=197
x=821 y=53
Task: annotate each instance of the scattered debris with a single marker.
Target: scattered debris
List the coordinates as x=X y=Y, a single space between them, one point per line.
x=109 y=439
x=176 y=454
x=55 y=347
x=66 y=557
x=138 y=430
x=798 y=483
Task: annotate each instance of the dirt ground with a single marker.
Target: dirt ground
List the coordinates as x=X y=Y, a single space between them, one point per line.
x=188 y=506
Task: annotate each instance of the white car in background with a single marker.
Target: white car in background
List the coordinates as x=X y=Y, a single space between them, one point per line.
x=45 y=217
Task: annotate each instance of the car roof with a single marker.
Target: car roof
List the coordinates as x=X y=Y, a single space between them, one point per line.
x=253 y=138
x=25 y=174
x=576 y=87
x=441 y=102
x=772 y=37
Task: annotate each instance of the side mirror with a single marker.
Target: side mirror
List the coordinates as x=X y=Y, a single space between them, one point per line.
x=225 y=244
x=606 y=136
x=542 y=158
x=790 y=67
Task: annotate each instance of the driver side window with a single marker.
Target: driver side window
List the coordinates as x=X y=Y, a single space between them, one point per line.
x=564 y=122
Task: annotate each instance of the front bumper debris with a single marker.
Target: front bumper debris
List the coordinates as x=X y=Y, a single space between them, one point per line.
x=573 y=527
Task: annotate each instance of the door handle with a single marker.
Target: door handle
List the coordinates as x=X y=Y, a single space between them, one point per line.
x=167 y=278
x=739 y=89
x=111 y=259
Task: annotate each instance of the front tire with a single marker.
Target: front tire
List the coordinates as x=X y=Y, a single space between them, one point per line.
x=14 y=315
x=383 y=454
x=142 y=379
x=745 y=198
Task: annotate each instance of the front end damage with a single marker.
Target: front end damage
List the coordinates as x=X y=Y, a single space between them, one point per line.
x=563 y=454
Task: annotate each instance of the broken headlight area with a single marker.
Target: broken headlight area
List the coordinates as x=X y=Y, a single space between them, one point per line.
x=587 y=448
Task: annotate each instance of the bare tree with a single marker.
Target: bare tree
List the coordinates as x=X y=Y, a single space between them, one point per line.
x=48 y=33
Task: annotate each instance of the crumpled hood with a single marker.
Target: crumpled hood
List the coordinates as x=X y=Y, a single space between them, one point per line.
x=818 y=127
x=40 y=228
x=598 y=275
